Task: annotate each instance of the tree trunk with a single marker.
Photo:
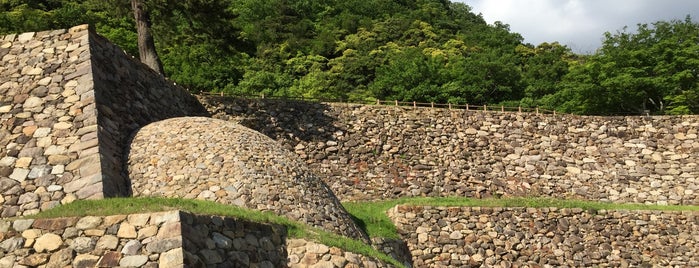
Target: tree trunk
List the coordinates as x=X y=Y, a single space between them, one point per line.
x=146 y=45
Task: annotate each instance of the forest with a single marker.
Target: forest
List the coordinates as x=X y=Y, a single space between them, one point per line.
x=405 y=50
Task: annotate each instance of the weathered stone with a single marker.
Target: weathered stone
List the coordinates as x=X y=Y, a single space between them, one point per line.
x=107 y=242
x=88 y=222
x=159 y=246
x=11 y=244
x=35 y=259
x=22 y=224
x=83 y=245
x=47 y=243
x=211 y=256
x=61 y=258
x=109 y=259
x=135 y=261
x=132 y=247
x=172 y=258
x=127 y=230
x=85 y=261
x=54 y=224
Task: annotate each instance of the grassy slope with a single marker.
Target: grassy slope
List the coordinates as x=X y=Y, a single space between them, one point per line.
x=122 y=206
x=370 y=215
x=373 y=216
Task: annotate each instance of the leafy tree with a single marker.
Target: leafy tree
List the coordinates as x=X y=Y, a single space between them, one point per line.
x=653 y=70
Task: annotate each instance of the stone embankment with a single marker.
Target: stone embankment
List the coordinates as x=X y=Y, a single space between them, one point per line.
x=369 y=152
x=162 y=239
x=69 y=100
x=554 y=237
x=48 y=126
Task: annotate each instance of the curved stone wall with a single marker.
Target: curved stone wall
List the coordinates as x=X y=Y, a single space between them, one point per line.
x=216 y=160
x=369 y=152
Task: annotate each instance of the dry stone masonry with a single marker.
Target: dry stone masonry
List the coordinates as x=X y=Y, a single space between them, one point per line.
x=70 y=100
x=48 y=127
x=216 y=160
x=164 y=239
x=553 y=237
x=376 y=152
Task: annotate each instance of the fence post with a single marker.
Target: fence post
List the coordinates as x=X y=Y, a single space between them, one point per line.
x=466 y=106
x=485 y=107
x=414 y=104
x=519 y=109
x=537 y=110
x=378 y=102
x=502 y=108
x=396 y=102
x=221 y=93
x=449 y=106
x=432 y=104
x=262 y=95
x=554 y=112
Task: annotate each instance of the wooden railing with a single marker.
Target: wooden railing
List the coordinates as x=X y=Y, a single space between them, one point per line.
x=467 y=107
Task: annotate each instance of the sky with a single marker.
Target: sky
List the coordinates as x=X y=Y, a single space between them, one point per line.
x=579 y=24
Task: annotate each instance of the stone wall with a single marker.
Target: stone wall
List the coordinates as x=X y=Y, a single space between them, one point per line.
x=48 y=126
x=516 y=237
x=162 y=239
x=369 y=152
x=56 y=88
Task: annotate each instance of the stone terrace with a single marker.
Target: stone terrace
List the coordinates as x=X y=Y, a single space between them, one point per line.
x=367 y=152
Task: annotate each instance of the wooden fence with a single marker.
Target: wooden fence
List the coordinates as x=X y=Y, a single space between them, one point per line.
x=467 y=107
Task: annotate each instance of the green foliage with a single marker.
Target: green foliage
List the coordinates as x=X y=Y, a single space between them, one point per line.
x=424 y=50
x=653 y=70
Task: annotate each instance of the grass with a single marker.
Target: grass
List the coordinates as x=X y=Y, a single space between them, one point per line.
x=369 y=215
x=372 y=215
x=121 y=206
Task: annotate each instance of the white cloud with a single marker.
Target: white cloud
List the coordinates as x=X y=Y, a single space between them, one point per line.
x=580 y=24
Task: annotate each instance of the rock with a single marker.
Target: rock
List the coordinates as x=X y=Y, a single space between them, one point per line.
x=132 y=247
x=47 y=243
x=127 y=230
x=134 y=261
x=159 y=246
x=109 y=259
x=83 y=245
x=61 y=258
x=35 y=260
x=172 y=258
x=85 y=261
x=222 y=241
x=107 y=242
x=11 y=244
x=33 y=102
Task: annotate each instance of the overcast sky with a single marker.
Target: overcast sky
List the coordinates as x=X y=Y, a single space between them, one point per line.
x=579 y=24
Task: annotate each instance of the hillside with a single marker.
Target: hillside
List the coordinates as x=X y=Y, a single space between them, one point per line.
x=82 y=120
x=425 y=51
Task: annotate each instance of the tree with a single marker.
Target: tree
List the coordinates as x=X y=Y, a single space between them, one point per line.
x=146 y=44
x=653 y=70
